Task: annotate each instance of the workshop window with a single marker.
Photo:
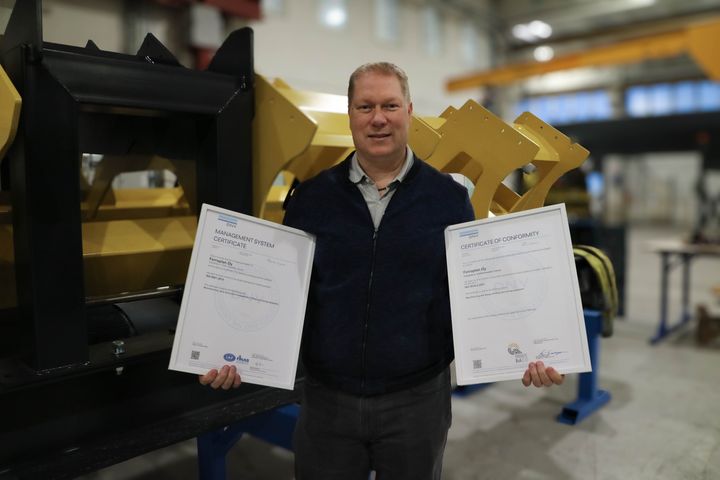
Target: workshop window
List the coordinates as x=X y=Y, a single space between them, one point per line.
x=387 y=20
x=470 y=47
x=433 y=37
x=575 y=107
x=672 y=98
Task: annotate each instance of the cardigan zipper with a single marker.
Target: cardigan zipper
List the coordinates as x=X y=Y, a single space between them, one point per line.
x=367 y=307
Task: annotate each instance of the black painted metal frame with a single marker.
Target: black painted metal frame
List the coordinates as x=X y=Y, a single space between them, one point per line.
x=66 y=406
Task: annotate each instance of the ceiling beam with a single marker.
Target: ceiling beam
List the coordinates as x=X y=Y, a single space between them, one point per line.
x=698 y=40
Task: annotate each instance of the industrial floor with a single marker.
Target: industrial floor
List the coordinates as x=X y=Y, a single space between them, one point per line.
x=663 y=421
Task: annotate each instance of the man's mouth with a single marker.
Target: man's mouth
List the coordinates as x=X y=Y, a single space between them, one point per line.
x=379 y=135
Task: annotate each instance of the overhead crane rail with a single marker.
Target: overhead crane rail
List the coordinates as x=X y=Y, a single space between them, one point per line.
x=698 y=40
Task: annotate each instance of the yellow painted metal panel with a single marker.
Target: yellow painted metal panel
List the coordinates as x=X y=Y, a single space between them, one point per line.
x=9 y=112
x=281 y=132
x=556 y=156
x=703 y=45
x=423 y=137
x=120 y=256
x=482 y=147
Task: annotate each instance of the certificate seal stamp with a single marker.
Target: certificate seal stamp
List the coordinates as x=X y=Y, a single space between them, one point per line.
x=520 y=356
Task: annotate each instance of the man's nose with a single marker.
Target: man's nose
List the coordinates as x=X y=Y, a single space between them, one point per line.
x=378 y=116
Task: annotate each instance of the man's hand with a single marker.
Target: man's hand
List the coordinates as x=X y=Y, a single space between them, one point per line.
x=536 y=374
x=226 y=378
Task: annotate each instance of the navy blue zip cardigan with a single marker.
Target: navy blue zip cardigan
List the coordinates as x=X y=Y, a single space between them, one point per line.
x=378 y=311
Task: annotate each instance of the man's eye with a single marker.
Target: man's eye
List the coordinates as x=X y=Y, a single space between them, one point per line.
x=392 y=107
x=364 y=108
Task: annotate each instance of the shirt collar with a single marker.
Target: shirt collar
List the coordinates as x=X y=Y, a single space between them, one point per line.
x=357 y=174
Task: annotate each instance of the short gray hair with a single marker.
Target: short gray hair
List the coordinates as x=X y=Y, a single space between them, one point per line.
x=385 y=68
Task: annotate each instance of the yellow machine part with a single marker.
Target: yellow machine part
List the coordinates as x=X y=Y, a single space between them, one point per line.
x=556 y=156
x=698 y=40
x=134 y=203
x=10 y=103
x=479 y=145
x=101 y=202
x=294 y=131
x=119 y=256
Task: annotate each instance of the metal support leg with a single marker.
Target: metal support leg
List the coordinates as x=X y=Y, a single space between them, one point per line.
x=663 y=328
x=275 y=427
x=664 y=274
x=212 y=448
x=589 y=397
x=686 y=259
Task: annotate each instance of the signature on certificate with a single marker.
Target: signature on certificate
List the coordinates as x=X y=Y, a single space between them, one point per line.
x=548 y=354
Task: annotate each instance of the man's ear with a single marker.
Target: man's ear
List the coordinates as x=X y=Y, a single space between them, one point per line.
x=410 y=108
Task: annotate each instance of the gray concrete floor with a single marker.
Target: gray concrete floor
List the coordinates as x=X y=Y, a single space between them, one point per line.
x=663 y=421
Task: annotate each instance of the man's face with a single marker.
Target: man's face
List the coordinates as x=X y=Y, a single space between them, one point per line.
x=379 y=117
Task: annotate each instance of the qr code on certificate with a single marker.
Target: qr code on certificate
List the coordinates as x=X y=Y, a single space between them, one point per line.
x=477 y=364
x=194 y=355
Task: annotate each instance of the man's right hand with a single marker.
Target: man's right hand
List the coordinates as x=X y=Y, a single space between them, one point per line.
x=226 y=378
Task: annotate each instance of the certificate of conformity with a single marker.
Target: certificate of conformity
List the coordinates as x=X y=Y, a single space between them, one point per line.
x=514 y=296
x=244 y=300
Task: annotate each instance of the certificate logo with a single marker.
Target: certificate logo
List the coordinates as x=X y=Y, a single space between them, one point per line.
x=514 y=349
x=471 y=233
x=229 y=357
x=228 y=220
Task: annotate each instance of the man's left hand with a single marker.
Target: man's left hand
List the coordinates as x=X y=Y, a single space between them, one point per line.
x=540 y=376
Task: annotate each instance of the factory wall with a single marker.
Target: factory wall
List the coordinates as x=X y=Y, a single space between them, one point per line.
x=294 y=46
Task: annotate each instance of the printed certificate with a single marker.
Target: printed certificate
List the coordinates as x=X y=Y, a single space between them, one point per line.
x=244 y=300
x=514 y=296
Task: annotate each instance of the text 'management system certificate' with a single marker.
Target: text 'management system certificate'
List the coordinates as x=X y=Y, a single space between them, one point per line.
x=514 y=296
x=244 y=300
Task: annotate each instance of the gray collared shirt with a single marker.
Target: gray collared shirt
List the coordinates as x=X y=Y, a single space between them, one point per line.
x=376 y=201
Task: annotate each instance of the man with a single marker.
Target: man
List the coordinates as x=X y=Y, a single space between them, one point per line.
x=377 y=341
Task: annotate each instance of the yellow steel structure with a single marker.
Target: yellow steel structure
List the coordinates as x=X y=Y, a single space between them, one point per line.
x=298 y=132
x=101 y=202
x=119 y=256
x=10 y=103
x=141 y=239
x=698 y=40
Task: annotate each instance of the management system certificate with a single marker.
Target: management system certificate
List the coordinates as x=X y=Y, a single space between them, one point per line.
x=244 y=300
x=514 y=296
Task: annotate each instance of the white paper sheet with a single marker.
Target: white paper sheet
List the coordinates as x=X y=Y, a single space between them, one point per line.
x=514 y=296
x=244 y=300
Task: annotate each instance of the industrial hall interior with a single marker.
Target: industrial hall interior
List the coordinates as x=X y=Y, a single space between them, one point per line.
x=181 y=267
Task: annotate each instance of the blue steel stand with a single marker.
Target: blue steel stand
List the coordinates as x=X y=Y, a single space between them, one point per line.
x=275 y=427
x=663 y=328
x=589 y=397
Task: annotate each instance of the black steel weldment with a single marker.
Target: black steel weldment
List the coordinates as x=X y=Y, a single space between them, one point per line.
x=683 y=132
x=72 y=402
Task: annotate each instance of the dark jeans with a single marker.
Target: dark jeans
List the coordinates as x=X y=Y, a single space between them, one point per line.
x=400 y=435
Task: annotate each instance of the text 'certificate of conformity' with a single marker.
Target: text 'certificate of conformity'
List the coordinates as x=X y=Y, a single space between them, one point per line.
x=514 y=296
x=244 y=300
